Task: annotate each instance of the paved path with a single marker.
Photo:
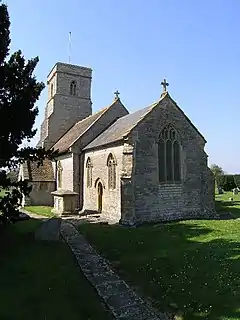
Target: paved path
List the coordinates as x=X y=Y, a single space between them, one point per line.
x=118 y=296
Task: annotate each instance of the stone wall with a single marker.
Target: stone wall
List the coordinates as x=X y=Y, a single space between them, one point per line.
x=67 y=171
x=63 y=109
x=153 y=201
x=116 y=111
x=111 y=198
x=40 y=194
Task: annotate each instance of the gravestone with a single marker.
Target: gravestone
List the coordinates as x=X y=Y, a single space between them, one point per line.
x=220 y=190
x=64 y=202
x=235 y=191
x=49 y=230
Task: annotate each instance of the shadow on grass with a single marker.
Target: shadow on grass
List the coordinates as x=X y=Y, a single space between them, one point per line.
x=40 y=279
x=232 y=207
x=188 y=268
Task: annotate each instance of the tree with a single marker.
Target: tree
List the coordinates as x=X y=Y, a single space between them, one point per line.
x=19 y=91
x=216 y=170
x=13 y=175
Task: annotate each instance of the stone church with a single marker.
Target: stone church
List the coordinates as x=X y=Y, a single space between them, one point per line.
x=149 y=165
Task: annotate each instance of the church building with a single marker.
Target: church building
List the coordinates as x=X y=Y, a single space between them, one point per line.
x=130 y=168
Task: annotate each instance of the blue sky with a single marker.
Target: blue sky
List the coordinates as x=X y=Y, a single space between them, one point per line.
x=131 y=45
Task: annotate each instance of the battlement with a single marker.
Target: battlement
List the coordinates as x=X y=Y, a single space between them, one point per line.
x=69 y=69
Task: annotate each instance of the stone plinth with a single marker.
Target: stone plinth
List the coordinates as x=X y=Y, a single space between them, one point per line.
x=64 y=202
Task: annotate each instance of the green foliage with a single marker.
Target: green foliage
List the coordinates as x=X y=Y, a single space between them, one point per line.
x=13 y=175
x=19 y=91
x=237 y=180
x=220 y=181
x=216 y=170
x=226 y=182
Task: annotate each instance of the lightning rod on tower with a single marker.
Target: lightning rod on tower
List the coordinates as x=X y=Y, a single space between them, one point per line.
x=69 y=47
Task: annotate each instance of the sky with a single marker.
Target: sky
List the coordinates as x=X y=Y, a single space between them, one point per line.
x=132 y=45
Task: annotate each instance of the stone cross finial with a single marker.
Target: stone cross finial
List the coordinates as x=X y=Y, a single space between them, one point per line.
x=117 y=93
x=165 y=85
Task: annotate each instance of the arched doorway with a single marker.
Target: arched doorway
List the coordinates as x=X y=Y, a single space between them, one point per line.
x=100 y=196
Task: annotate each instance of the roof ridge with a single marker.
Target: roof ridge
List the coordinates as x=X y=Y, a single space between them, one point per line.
x=126 y=124
x=149 y=109
x=91 y=115
x=101 y=112
x=80 y=128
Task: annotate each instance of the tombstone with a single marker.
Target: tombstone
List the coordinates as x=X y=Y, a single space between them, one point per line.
x=220 y=190
x=64 y=202
x=235 y=191
x=49 y=230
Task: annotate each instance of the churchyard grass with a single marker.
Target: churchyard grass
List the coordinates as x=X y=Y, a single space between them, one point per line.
x=223 y=204
x=40 y=280
x=190 y=268
x=40 y=210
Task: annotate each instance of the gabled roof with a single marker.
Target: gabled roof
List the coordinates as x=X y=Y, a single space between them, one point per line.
x=32 y=172
x=77 y=130
x=118 y=130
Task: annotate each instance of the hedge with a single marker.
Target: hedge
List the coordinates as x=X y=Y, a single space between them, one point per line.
x=237 y=180
x=228 y=181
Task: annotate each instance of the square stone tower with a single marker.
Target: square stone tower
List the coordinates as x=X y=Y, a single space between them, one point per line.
x=69 y=100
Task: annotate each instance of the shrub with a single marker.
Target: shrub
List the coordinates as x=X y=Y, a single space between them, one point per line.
x=237 y=180
x=220 y=181
x=226 y=181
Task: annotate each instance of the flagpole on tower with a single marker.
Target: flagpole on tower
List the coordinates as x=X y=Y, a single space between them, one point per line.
x=69 y=47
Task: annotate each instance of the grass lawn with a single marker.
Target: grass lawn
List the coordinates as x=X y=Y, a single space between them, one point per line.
x=40 y=210
x=191 y=268
x=40 y=280
x=224 y=204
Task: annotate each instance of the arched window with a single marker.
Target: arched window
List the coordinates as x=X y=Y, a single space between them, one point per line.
x=169 y=157
x=51 y=90
x=73 y=88
x=111 y=163
x=89 y=167
x=59 y=175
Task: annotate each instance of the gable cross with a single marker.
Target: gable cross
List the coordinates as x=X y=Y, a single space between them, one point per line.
x=165 y=85
x=117 y=93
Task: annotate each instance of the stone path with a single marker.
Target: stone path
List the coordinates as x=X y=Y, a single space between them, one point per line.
x=117 y=295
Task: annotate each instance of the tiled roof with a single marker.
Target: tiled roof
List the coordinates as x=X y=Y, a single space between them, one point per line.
x=42 y=173
x=124 y=125
x=76 y=131
x=120 y=128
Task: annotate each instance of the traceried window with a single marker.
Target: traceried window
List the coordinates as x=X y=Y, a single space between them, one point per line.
x=111 y=163
x=89 y=167
x=73 y=88
x=169 y=157
x=59 y=175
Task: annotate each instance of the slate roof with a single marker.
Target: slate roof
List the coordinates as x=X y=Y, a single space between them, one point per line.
x=120 y=128
x=42 y=173
x=77 y=130
x=124 y=125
